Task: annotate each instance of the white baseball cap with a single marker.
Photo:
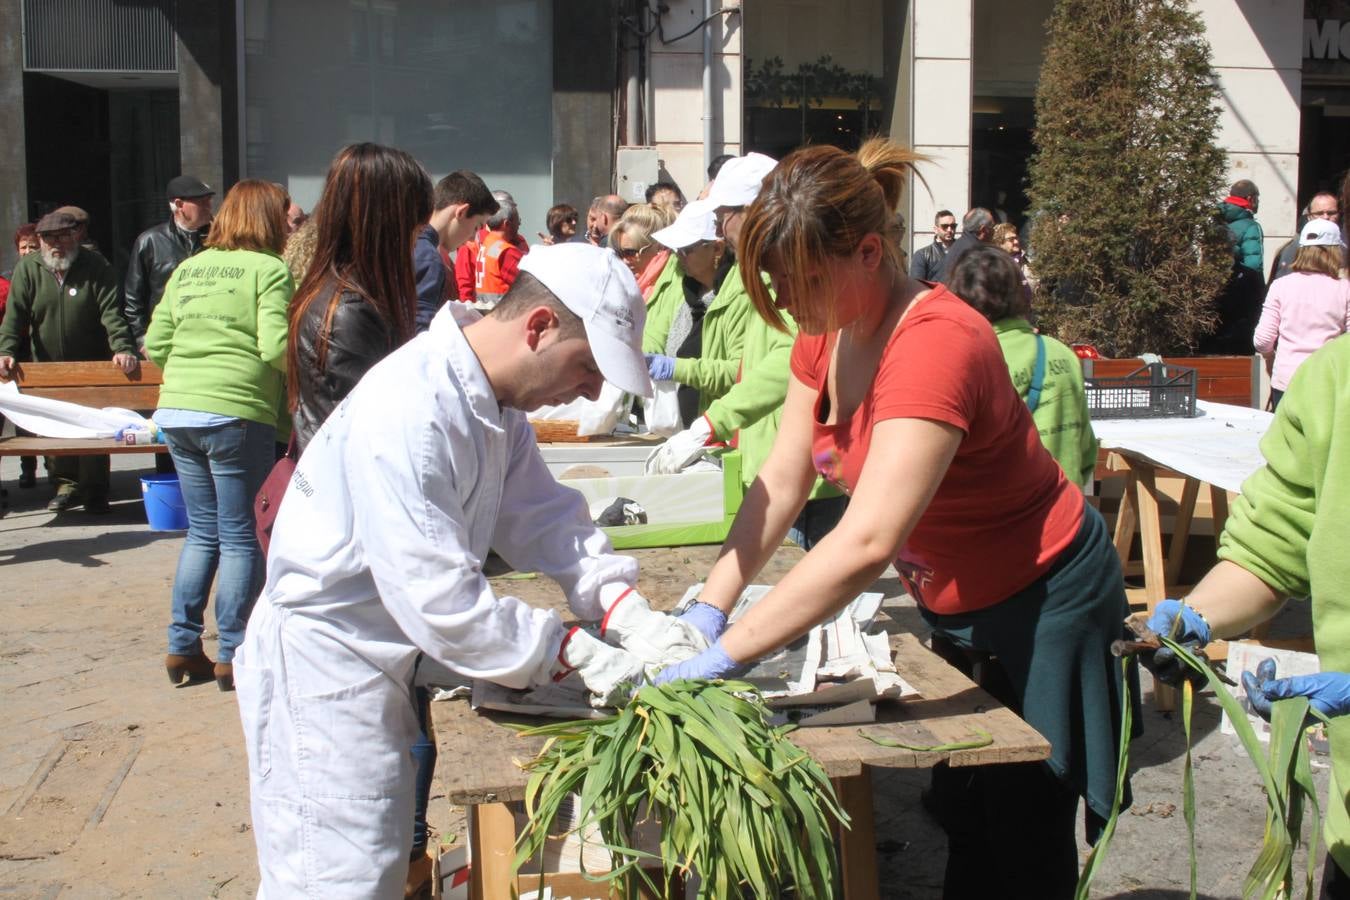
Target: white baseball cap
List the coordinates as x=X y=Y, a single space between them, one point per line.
x=738 y=182
x=1320 y=233
x=695 y=223
x=593 y=283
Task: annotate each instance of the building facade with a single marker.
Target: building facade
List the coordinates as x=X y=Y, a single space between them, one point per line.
x=104 y=100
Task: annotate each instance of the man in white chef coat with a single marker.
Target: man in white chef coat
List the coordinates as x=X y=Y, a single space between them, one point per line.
x=376 y=558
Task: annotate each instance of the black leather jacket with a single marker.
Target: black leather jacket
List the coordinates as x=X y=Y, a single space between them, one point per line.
x=154 y=256
x=360 y=338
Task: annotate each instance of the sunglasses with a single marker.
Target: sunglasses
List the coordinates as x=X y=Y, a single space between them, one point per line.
x=947 y=226
x=1324 y=214
x=629 y=252
x=697 y=245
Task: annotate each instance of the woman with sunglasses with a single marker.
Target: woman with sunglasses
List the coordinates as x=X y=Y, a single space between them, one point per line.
x=997 y=547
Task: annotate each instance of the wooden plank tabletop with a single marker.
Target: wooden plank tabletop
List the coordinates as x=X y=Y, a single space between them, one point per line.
x=36 y=446
x=479 y=753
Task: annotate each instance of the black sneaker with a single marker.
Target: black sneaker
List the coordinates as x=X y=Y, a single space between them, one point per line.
x=65 y=498
x=97 y=505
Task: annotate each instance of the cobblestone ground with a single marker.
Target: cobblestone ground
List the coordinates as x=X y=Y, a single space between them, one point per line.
x=113 y=783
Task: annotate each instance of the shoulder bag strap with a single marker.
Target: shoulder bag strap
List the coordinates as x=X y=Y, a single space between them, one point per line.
x=1037 y=376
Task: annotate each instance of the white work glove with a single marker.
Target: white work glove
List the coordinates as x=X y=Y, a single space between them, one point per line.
x=609 y=673
x=653 y=637
x=680 y=449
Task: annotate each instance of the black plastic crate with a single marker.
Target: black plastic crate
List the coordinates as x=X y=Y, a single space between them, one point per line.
x=1154 y=391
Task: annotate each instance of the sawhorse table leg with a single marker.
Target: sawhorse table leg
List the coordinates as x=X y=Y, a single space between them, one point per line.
x=492 y=839
x=858 y=842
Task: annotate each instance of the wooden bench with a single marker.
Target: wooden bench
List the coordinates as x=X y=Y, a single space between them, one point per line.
x=93 y=384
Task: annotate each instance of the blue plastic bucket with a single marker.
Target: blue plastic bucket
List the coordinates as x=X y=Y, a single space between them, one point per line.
x=164 y=506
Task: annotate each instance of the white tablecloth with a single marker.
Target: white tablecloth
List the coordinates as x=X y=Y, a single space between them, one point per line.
x=1221 y=446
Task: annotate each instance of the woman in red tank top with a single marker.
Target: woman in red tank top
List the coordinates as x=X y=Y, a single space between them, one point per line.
x=994 y=543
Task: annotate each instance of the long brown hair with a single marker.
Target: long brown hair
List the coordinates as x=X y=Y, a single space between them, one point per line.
x=818 y=203
x=374 y=200
x=251 y=217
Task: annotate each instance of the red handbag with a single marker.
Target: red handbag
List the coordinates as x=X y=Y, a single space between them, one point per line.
x=268 y=502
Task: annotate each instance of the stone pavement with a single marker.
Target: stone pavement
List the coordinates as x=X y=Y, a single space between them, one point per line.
x=113 y=783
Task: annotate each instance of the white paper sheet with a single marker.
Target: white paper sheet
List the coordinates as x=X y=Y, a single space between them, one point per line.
x=1219 y=447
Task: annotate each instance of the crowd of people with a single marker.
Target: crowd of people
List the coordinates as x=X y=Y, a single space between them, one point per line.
x=388 y=347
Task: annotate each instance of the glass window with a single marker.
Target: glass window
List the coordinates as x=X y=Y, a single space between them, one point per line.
x=458 y=84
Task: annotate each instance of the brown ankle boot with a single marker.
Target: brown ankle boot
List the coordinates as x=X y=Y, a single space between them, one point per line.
x=225 y=676
x=197 y=668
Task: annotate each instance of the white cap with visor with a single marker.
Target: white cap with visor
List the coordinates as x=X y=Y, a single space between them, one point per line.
x=695 y=223
x=739 y=181
x=595 y=285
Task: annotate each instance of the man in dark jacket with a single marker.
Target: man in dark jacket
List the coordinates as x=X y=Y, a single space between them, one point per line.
x=927 y=262
x=977 y=227
x=159 y=250
x=65 y=300
x=462 y=204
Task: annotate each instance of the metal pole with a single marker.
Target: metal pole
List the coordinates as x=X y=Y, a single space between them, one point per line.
x=707 y=84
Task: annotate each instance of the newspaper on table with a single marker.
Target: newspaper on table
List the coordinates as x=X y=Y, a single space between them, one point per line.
x=832 y=675
x=1245 y=657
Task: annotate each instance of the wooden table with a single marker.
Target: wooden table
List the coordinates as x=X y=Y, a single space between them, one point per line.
x=1215 y=452
x=477 y=752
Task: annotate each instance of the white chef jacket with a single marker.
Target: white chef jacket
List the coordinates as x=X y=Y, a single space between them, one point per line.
x=379 y=543
x=376 y=554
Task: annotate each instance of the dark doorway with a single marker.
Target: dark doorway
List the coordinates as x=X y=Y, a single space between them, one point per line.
x=109 y=151
x=1001 y=148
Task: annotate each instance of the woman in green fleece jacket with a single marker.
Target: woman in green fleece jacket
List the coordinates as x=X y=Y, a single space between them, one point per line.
x=220 y=335
x=1288 y=537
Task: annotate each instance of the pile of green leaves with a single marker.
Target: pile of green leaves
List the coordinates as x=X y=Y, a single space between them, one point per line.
x=1286 y=775
x=737 y=802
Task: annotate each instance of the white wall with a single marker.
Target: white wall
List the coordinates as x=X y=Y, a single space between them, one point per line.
x=940 y=118
x=1258 y=55
x=677 y=93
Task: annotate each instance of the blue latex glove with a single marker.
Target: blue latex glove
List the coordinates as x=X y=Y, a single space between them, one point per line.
x=709 y=665
x=1191 y=631
x=708 y=619
x=1327 y=692
x=660 y=368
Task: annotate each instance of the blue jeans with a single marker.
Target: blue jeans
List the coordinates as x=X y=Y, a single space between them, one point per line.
x=817 y=519
x=220 y=471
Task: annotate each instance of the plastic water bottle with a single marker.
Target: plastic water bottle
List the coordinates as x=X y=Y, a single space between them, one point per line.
x=141 y=436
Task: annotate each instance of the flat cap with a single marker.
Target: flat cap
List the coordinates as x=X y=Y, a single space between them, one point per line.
x=55 y=221
x=80 y=215
x=187 y=186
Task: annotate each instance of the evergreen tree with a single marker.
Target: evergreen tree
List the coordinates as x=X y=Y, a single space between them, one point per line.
x=1126 y=178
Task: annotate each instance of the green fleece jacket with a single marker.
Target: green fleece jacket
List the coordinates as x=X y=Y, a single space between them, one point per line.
x=1062 y=415
x=666 y=296
x=754 y=404
x=1291 y=529
x=220 y=334
x=77 y=319
x=713 y=372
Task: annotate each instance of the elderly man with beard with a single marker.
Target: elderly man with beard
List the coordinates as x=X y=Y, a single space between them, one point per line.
x=66 y=301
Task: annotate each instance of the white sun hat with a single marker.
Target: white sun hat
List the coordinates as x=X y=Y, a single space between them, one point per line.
x=593 y=283
x=695 y=223
x=739 y=181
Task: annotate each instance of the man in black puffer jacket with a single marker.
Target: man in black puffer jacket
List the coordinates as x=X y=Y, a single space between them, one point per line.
x=159 y=250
